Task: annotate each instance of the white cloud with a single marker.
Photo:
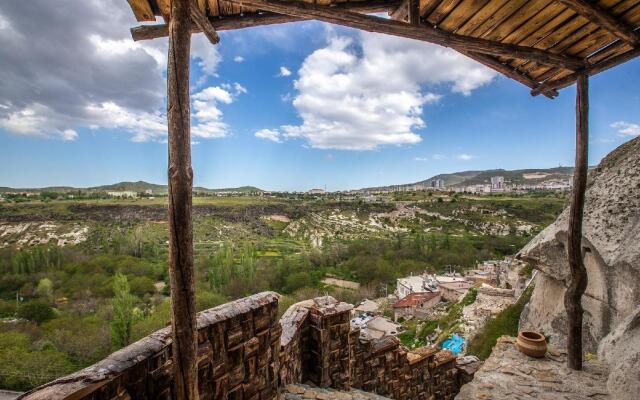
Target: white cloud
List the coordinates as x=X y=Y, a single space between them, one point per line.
x=439 y=157
x=626 y=128
x=465 y=157
x=365 y=93
x=207 y=54
x=421 y=159
x=284 y=71
x=238 y=59
x=269 y=134
x=85 y=71
x=69 y=134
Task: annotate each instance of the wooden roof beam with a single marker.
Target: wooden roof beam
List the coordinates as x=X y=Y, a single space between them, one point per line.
x=202 y=22
x=423 y=33
x=249 y=20
x=590 y=71
x=509 y=72
x=601 y=17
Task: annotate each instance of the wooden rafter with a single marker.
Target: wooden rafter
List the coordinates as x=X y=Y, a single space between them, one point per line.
x=202 y=22
x=422 y=33
x=509 y=72
x=599 y=16
x=249 y=20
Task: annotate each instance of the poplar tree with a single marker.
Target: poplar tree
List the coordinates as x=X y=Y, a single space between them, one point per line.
x=122 y=311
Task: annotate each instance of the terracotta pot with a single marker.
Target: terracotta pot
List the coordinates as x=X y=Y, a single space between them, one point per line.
x=532 y=344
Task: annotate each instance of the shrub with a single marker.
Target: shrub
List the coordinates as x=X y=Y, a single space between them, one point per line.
x=505 y=323
x=37 y=311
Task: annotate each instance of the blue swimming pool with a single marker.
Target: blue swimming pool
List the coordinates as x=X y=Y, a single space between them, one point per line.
x=455 y=343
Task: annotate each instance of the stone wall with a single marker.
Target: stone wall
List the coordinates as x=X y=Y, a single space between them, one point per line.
x=237 y=344
x=245 y=354
x=339 y=358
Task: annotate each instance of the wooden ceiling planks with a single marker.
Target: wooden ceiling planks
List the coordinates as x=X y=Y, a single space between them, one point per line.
x=585 y=40
x=461 y=14
x=553 y=26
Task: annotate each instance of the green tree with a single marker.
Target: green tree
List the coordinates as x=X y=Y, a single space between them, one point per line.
x=37 y=311
x=45 y=288
x=122 y=311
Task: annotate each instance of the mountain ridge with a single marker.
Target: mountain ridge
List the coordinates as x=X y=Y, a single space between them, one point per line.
x=475 y=177
x=137 y=186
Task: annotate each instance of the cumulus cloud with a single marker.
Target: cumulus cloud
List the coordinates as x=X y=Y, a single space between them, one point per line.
x=464 y=157
x=238 y=59
x=421 y=159
x=626 y=128
x=269 y=134
x=284 y=71
x=63 y=71
x=359 y=94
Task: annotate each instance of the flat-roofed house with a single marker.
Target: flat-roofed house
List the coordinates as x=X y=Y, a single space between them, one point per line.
x=416 y=305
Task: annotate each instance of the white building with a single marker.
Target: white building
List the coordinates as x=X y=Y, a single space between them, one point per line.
x=123 y=194
x=316 y=191
x=497 y=183
x=415 y=284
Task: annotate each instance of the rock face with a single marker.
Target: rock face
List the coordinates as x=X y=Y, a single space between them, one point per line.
x=611 y=232
x=621 y=350
x=508 y=374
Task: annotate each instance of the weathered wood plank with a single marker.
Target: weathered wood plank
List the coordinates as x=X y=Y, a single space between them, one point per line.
x=495 y=20
x=461 y=14
x=578 y=274
x=481 y=17
x=142 y=10
x=517 y=19
x=214 y=9
x=442 y=11
x=423 y=33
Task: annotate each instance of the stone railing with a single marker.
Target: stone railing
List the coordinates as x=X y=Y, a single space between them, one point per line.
x=244 y=353
x=237 y=344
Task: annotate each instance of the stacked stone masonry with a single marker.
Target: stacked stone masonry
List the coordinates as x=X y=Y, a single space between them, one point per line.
x=245 y=353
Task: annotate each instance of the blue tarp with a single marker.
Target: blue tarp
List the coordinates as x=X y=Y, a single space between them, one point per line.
x=455 y=343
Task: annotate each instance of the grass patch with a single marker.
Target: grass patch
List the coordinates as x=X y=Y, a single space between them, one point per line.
x=505 y=323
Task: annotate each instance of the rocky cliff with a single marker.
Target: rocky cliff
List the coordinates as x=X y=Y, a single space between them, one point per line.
x=611 y=248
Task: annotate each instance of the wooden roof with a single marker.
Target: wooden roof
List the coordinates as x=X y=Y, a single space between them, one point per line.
x=543 y=44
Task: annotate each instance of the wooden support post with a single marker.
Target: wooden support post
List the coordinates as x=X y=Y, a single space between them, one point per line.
x=578 y=283
x=183 y=304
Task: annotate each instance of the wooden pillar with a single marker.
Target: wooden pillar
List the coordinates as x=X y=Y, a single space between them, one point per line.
x=578 y=284
x=183 y=321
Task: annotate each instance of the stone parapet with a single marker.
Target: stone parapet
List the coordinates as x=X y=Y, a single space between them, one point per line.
x=236 y=346
x=245 y=354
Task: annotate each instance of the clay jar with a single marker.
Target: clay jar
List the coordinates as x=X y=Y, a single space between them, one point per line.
x=532 y=344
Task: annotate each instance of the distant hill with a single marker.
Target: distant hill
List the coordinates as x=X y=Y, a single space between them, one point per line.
x=467 y=178
x=517 y=176
x=139 y=186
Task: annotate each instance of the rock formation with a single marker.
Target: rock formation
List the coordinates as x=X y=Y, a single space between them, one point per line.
x=611 y=243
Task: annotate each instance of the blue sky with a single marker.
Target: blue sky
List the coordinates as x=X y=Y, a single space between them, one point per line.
x=102 y=123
